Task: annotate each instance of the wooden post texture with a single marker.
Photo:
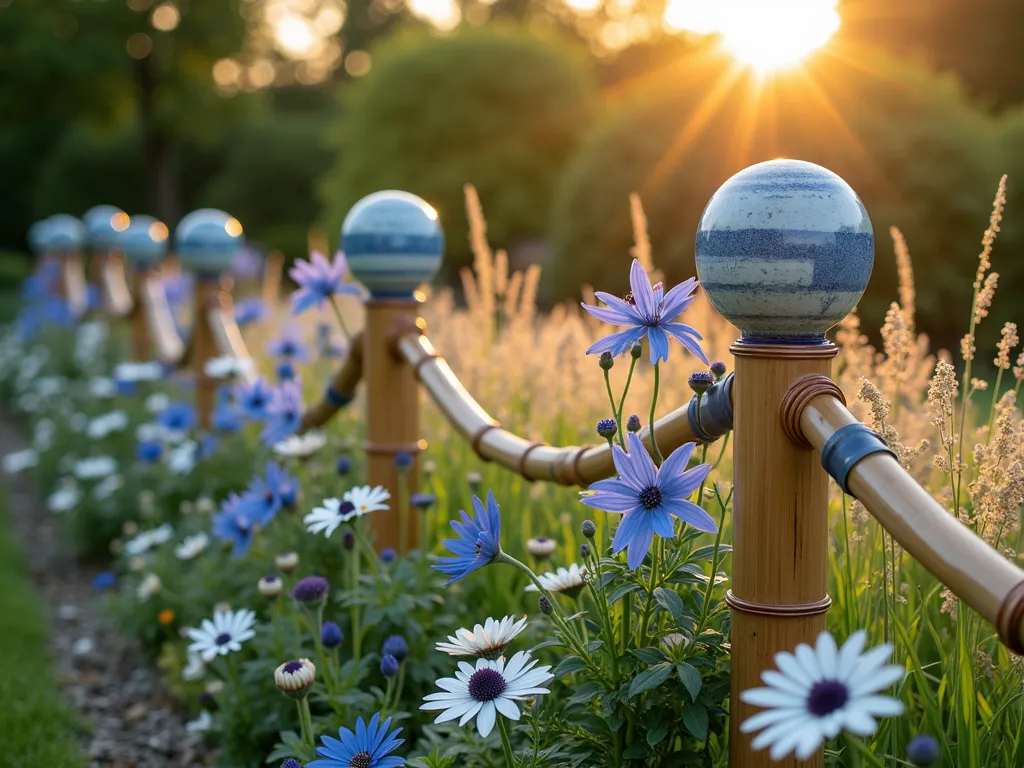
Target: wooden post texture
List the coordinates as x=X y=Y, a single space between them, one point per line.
x=393 y=412
x=780 y=530
x=204 y=346
x=142 y=344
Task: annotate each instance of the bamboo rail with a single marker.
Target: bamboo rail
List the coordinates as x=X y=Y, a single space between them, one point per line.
x=342 y=389
x=955 y=555
x=156 y=333
x=73 y=285
x=117 y=297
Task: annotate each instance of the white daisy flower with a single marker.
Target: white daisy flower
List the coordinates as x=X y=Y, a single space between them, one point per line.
x=13 y=463
x=102 y=387
x=151 y=371
x=327 y=518
x=95 y=468
x=226 y=633
x=365 y=499
x=201 y=724
x=818 y=692
x=50 y=386
x=42 y=435
x=488 y=641
x=78 y=422
x=150 y=586
x=541 y=547
x=182 y=460
x=107 y=487
x=194 y=670
x=300 y=446
x=65 y=498
x=150 y=432
x=227 y=367
x=569 y=581
x=146 y=540
x=157 y=402
x=192 y=546
x=492 y=687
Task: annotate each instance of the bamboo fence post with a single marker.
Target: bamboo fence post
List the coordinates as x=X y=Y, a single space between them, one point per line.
x=784 y=251
x=63 y=238
x=144 y=243
x=206 y=242
x=394 y=243
x=103 y=226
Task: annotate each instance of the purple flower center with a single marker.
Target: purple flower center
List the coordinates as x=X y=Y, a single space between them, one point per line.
x=268 y=497
x=346 y=508
x=223 y=638
x=360 y=760
x=651 y=497
x=486 y=684
x=292 y=667
x=826 y=697
x=541 y=539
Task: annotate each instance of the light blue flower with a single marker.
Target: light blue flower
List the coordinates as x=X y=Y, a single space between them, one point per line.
x=369 y=747
x=249 y=311
x=178 y=417
x=253 y=398
x=289 y=346
x=236 y=521
x=650 y=312
x=478 y=542
x=319 y=279
x=649 y=497
x=284 y=412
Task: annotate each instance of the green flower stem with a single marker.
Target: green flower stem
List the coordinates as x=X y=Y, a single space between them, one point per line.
x=400 y=685
x=659 y=553
x=627 y=615
x=622 y=403
x=354 y=607
x=506 y=745
x=341 y=320
x=714 y=571
x=611 y=398
x=306 y=722
x=860 y=754
x=403 y=512
x=604 y=612
x=655 y=453
x=703 y=460
x=385 y=707
x=721 y=453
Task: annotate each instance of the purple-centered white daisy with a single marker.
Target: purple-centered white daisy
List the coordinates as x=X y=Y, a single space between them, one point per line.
x=318 y=280
x=647 y=311
x=649 y=497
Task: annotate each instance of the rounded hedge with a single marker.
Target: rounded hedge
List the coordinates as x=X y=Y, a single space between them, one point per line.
x=908 y=142
x=500 y=109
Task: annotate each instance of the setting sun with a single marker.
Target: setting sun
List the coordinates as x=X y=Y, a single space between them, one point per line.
x=764 y=34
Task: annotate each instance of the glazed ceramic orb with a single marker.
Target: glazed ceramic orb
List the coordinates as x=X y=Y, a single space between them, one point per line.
x=145 y=241
x=206 y=241
x=784 y=251
x=393 y=242
x=103 y=225
x=37 y=236
x=63 y=233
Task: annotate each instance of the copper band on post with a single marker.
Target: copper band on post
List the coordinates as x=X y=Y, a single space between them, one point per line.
x=522 y=461
x=1009 y=618
x=423 y=361
x=782 y=611
x=797 y=397
x=391 y=449
x=475 y=442
x=784 y=351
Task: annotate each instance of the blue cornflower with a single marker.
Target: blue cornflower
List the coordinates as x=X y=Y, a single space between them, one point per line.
x=284 y=413
x=149 y=451
x=125 y=388
x=249 y=311
x=648 y=312
x=649 y=497
x=403 y=460
x=478 y=542
x=369 y=747
x=178 y=417
x=388 y=555
x=397 y=647
x=319 y=279
x=607 y=428
x=105 y=580
x=285 y=371
x=238 y=519
x=253 y=398
x=330 y=635
x=389 y=665
x=289 y=346
x=227 y=418
x=275 y=489
x=344 y=465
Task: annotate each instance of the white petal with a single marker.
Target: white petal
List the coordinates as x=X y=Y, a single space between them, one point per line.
x=485 y=720
x=470 y=713
x=849 y=654
x=771 y=697
x=808 y=661
x=789 y=666
x=769 y=717
x=827 y=652
x=879 y=706
x=877 y=681
x=859 y=722
x=784 y=683
x=809 y=743
x=507 y=708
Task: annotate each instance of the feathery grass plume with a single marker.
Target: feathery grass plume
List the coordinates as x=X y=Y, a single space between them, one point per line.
x=896 y=343
x=515 y=286
x=641 y=248
x=880 y=410
x=1008 y=340
x=483 y=257
x=905 y=274
x=942 y=393
x=500 y=272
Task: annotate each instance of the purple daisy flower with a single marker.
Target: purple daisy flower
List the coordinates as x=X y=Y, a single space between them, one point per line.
x=311 y=589
x=370 y=745
x=253 y=398
x=289 y=346
x=250 y=310
x=478 y=542
x=318 y=280
x=238 y=519
x=649 y=497
x=649 y=312
x=283 y=412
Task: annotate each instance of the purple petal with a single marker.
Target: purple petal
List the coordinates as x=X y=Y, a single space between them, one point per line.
x=612 y=485
x=611 y=502
x=686 y=341
x=639 y=546
x=617 y=343
x=630 y=527
x=643 y=295
x=693 y=515
x=676 y=463
x=610 y=315
x=683 y=485
x=614 y=302
x=659 y=344
x=689 y=330
x=678 y=299
x=661 y=523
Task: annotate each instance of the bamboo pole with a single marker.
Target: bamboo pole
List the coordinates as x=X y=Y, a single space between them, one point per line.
x=74 y=287
x=780 y=530
x=271 y=286
x=203 y=346
x=392 y=421
x=974 y=571
x=342 y=389
x=117 y=298
x=155 y=334
x=227 y=338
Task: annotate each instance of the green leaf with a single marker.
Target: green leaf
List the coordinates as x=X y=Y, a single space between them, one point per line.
x=621 y=592
x=690 y=678
x=695 y=718
x=650 y=656
x=708 y=552
x=636 y=750
x=670 y=600
x=570 y=665
x=656 y=733
x=649 y=678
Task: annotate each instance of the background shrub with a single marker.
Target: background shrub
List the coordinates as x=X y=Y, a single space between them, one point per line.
x=504 y=110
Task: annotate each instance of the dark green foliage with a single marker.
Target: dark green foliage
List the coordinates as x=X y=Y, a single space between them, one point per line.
x=908 y=142
x=500 y=110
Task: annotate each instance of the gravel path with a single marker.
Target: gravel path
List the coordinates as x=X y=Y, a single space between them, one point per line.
x=133 y=721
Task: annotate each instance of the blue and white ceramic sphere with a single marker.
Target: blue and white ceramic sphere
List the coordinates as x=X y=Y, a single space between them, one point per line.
x=145 y=241
x=103 y=226
x=62 y=233
x=37 y=236
x=393 y=242
x=784 y=251
x=207 y=240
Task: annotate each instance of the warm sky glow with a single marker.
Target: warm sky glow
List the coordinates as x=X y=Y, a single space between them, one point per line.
x=766 y=34
x=295 y=35
x=443 y=14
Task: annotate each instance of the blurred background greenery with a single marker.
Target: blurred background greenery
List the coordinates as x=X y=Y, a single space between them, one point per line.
x=285 y=112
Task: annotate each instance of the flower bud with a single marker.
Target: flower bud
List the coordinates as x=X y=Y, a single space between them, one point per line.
x=545 y=605
x=701 y=381
x=589 y=529
x=584 y=551
x=429 y=468
x=397 y=647
x=270 y=587
x=636 y=350
x=344 y=465
x=633 y=423
x=606 y=361
x=348 y=540
x=311 y=591
x=291 y=762
x=403 y=461
x=388 y=555
x=295 y=678
x=475 y=480
x=389 y=665
x=923 y=750
x=287 y=562
x=607 y=428
x=422 y=501
x=330 y=635
x=718 y=369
